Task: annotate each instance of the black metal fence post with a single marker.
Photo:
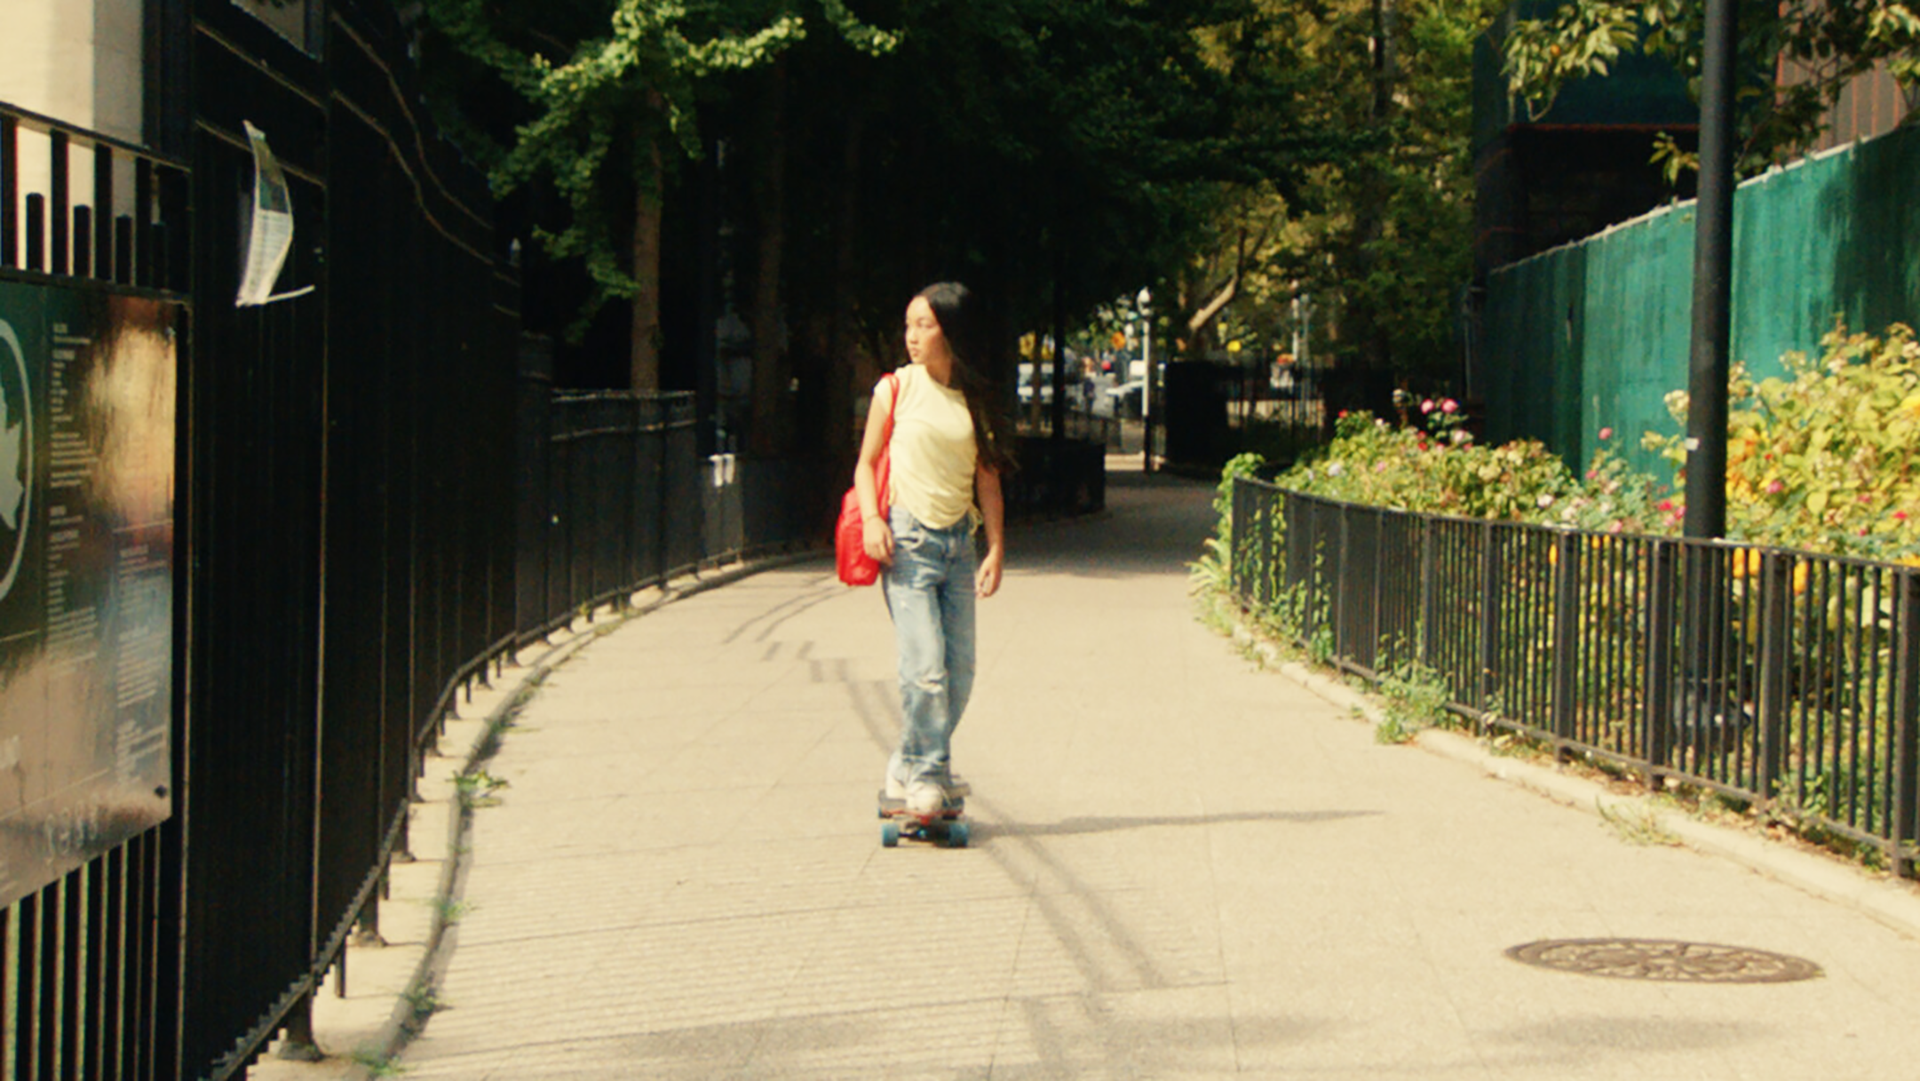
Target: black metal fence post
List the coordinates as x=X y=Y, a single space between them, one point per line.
x=1269 y=583
x=1490 y=560
x=1236 y=529
x=1429 y=595
x=297 y=1044
x=1337 y=579
x=1775 y=634
x=9 y=191
x=1658 y=715
x=1902 y=827
x=1566 y=641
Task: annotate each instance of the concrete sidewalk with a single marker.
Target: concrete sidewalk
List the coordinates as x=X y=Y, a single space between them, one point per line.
x=1183 y=867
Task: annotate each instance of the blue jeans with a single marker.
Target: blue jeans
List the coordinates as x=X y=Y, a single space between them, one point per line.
x=930 y=594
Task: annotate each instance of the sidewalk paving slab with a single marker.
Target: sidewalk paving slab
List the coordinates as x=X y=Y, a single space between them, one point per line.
x=1183 y=866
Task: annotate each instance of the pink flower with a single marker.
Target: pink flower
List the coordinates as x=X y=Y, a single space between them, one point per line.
x=1593 y=474
x=1426 y=406
x=1899 y=516
x=1606 y=433
x=1775 y=487
x=1449 y=406
x=1343 y=414
x=1664 y=504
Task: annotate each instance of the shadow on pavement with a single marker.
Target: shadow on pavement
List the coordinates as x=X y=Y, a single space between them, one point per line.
x=1067 y=827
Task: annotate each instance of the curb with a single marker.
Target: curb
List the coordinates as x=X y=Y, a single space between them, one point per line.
x=408 y=1019
x=1892 y=904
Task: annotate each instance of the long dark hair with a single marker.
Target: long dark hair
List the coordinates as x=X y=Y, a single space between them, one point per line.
x=960 y=324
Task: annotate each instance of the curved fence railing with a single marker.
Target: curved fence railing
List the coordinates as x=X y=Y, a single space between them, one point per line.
x=368 y=504
x=1771 y=676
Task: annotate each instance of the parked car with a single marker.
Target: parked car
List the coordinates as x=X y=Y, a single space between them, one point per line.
x=1077 y=397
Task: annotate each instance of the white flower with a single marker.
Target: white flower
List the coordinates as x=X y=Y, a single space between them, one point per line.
x=1545 y=501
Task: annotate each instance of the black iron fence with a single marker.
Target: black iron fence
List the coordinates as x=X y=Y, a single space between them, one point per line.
x=376 y=499
x=1774 y=677
x=612 y=495
x=86 y=961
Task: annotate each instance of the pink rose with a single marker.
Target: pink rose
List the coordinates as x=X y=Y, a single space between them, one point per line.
x=1426 y=406
x=1606 y=433
x=1775 y=487
x=1449 y=406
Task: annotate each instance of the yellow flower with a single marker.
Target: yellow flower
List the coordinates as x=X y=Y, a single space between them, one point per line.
x=1746 y=562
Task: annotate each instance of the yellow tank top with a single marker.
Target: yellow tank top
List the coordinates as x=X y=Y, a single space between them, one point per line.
x=932 y=452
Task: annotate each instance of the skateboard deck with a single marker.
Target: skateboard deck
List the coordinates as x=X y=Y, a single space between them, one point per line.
x=943 y=827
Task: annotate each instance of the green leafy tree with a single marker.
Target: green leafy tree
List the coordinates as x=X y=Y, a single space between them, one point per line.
x=1818 y=46
x=611 y=88
x=1371 y=216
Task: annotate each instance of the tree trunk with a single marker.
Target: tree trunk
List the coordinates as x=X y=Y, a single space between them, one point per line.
x=769 y=347
x=648 y=213
x=844 y=385
x=1375 y=350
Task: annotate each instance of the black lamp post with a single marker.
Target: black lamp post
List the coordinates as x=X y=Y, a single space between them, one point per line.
x=1707 y=369
x=1705 y=704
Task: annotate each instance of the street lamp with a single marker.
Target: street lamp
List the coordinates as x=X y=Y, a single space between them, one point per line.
x=1144 y=300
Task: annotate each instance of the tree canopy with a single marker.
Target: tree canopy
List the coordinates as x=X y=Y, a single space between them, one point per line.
x=1055 y=154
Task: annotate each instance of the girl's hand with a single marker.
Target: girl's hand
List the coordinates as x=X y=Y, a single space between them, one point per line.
x=877 y=539
x=986 y=581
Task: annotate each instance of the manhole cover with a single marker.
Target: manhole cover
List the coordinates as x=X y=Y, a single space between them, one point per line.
x=1655 y=959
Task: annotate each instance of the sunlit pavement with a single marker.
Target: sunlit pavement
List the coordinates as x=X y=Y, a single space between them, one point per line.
x=1182 y=866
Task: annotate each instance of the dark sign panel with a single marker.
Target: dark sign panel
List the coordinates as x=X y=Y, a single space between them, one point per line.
x=86 y=576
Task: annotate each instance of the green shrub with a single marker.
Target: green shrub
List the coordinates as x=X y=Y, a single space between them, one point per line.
x=1440 y=468
x=1824 y=458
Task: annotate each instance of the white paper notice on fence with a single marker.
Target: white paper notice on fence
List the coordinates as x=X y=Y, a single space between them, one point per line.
x=269 y=228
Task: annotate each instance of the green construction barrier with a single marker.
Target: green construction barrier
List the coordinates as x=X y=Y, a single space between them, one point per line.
x=1594 y=335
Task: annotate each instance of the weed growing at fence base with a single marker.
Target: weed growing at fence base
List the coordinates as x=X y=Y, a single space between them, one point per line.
x=1636 y=824
x=476 y=789
x=1416 y=698
x=377 y=1065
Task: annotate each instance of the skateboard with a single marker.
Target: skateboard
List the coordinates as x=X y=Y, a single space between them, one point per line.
x=943 y=827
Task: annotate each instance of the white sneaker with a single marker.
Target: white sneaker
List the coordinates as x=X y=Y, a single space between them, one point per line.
x=926 y=798
x=957 y=787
